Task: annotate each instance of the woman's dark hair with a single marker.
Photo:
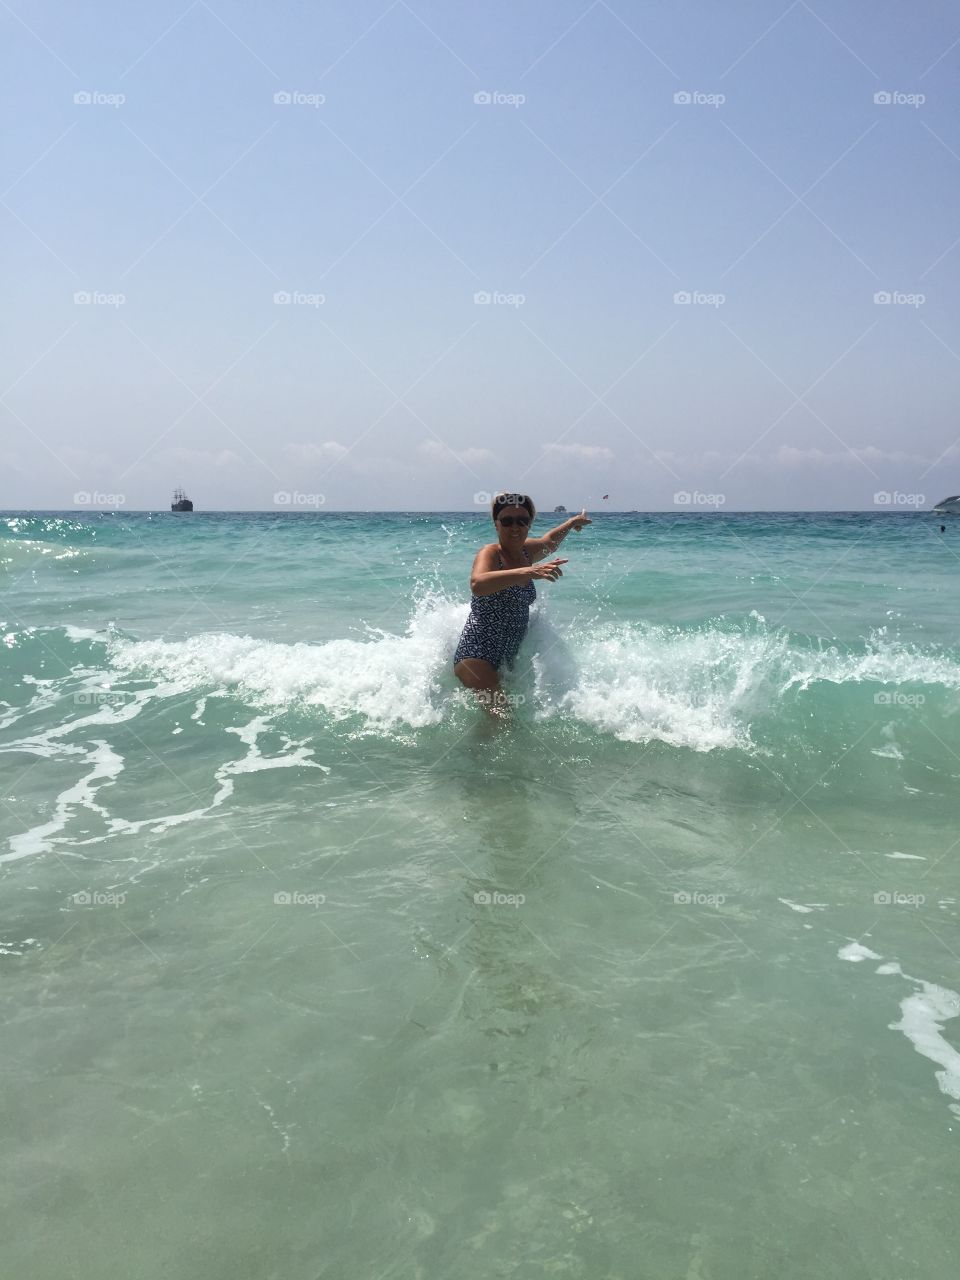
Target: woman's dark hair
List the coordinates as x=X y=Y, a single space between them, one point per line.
x=502 y=500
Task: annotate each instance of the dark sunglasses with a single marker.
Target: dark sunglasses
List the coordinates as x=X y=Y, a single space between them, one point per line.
x=509 y=521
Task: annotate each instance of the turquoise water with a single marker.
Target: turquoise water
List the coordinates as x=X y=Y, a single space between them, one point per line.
x=309 y=971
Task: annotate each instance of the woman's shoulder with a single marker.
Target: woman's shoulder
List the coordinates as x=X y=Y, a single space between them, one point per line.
x=486 y=558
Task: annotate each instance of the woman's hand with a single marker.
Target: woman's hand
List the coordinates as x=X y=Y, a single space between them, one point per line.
x=549 y=570
x=577 y=522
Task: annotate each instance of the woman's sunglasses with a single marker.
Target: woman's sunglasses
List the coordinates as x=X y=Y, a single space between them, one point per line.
x=509 y=521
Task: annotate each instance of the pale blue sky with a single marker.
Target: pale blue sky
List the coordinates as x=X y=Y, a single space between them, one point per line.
x=595 y=200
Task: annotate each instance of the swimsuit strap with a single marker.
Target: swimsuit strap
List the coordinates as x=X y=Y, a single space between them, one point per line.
x=500 y=557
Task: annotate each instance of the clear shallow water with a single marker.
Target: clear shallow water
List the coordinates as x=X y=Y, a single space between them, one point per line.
x=702 y=1045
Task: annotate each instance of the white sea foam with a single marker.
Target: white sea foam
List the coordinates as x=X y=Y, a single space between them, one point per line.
x=890 y=752
x=107 y=766
x=689 y=689
x=82 y=633
x=922 y=1016
x=639 y=684
x=387 y=679
x=297 y=756
x=47 y=693
x=884 y=661
x=856 y=952
x=701 y=689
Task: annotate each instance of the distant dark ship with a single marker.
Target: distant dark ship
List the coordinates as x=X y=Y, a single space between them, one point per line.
x=559 y=511
x=948 y=506
x=180 y=501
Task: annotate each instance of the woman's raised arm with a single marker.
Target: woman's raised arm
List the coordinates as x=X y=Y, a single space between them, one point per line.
x=540 y=547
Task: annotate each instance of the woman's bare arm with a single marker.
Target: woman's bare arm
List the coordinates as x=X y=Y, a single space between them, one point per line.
x=540 y=547
x=486 y=581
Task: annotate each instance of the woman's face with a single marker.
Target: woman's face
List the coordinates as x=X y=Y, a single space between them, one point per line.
x=514 y=532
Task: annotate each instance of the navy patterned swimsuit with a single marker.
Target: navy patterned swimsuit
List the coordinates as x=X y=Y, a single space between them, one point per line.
x=497 y=623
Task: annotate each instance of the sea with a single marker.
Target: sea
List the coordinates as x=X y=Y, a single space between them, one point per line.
x=311 y=970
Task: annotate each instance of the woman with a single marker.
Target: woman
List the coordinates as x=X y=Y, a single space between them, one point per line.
x=501 y=583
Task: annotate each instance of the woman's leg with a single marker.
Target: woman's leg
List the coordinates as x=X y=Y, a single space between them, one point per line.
x=474 y=673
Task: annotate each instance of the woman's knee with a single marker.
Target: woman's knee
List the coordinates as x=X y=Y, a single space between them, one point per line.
x=475 y=673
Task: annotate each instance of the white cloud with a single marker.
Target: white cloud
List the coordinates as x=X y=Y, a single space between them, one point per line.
x=789 y=457
x=441 y=452
x=204 y=457
x=84 y=458
x=329 y=451
x=585 y=452
x=870 y=454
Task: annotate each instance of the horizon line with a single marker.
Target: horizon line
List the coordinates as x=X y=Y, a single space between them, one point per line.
x=357 y=511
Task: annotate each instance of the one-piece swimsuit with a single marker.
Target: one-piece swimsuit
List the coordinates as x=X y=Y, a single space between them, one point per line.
x=497 y=623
